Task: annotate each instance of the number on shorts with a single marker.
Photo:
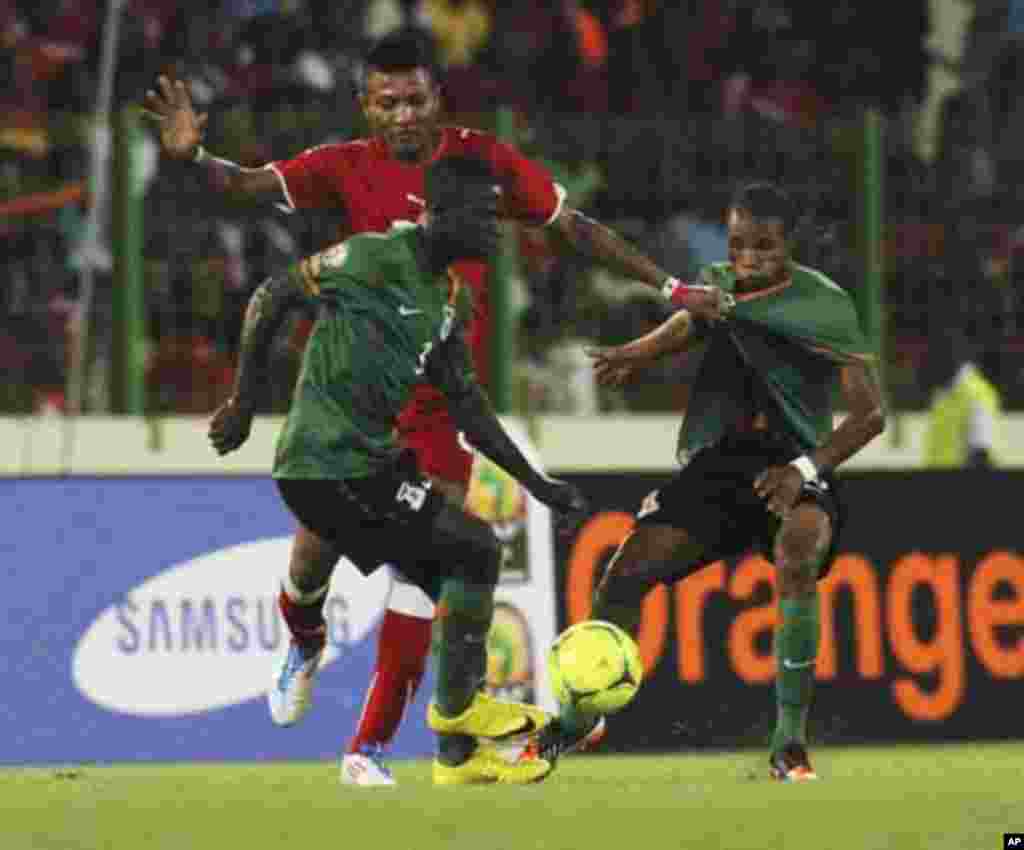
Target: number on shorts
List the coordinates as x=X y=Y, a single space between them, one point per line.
x=414 y=495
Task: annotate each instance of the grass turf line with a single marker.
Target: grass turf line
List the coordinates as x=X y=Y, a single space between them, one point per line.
x=898 y=798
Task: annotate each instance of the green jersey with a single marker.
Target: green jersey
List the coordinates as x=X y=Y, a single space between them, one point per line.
x=381 y=316
x=777 y=356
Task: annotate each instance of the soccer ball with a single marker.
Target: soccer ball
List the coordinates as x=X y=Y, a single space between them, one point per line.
x=595 y=667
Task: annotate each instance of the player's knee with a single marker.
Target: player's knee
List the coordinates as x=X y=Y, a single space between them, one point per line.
x=490 y=559
x=470 y=546
x=312 y=560
x=797 y=544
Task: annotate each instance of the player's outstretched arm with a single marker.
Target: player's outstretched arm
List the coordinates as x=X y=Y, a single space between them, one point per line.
x=266 y=311
x=780 y=486
x=616 y=364
x=450 y=369
x=599 y=242
x=181 y=137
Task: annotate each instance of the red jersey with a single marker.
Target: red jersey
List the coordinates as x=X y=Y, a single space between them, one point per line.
x=374 y=190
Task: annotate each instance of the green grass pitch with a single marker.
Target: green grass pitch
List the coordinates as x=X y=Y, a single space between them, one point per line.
x=903 y=798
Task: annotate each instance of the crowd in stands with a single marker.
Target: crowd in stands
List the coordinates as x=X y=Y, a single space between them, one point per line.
x=648 y=111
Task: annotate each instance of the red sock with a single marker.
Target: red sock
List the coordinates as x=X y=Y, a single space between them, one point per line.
x=401 y=660
x=305 y=622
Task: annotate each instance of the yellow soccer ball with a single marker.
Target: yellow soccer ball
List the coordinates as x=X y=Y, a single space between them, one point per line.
x=595 y=667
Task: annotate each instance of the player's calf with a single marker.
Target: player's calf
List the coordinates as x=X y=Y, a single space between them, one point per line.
x=802 y=541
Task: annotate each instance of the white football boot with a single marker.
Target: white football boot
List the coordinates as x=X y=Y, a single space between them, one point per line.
x=366 y=768
x=291 y=695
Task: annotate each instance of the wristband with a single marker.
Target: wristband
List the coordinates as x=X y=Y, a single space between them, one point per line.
x=199 y=155
x=806 y=467
x=679 y=293
x=669 y=287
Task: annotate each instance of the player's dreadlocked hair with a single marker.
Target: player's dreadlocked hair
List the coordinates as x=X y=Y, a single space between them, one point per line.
x=766 y=200
x=450 y=179
x=403 y=50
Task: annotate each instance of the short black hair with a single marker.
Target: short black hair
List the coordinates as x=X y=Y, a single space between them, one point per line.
x=448 y=179
x=766 y=200
x=401 y=50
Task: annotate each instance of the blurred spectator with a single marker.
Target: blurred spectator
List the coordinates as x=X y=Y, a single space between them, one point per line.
x=186 y=373
x=461 y=27
x=537 y=42
x=966 y=411
x=278 y=74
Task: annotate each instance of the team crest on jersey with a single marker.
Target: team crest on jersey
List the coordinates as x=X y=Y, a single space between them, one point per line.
x=335 y=256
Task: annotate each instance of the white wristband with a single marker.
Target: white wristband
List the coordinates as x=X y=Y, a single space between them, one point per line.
x=199 y=155
x=805 y=466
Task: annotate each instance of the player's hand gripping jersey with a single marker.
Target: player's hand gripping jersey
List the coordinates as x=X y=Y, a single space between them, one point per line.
x=778 y=356
x=381 y=321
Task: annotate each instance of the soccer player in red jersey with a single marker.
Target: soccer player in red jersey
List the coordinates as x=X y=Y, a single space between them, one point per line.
x=372 y=183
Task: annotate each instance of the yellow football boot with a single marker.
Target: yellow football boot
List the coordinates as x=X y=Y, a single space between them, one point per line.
x=487 y=717
x=487 y=767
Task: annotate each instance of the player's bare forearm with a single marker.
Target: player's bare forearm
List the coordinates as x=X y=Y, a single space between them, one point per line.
x=264 y=315
x=475 y=416
x=169 y=105
x=238 y=184
x=671 y=336
x=601 y=243
x=865 y=419
x=450 y=370
x=614 y=366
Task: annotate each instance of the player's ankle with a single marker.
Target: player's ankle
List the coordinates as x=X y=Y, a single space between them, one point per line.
x=453 y=750
x=575 y=722
x=310 y=641
x=362 y=745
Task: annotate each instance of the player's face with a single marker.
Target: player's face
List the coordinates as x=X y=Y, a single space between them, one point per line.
x=402 y=108
x=758 y=250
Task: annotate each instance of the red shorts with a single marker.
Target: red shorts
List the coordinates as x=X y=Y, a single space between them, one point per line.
x=435 y=439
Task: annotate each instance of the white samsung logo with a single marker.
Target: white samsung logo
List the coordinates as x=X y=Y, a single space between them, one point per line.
x=205 y=634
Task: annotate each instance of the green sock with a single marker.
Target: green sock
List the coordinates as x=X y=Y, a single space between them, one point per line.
x=464 y=614
x=464 y=618
x=796 y=649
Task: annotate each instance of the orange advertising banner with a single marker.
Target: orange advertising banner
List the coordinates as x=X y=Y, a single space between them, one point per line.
x=922 y=618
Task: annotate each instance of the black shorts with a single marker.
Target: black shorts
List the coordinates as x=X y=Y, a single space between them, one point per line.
x=385 y=518
x=712 y=498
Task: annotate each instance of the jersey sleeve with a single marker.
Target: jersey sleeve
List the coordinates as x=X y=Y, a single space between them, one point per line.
x=531 y=194
x=308 y=180
x=345 y=264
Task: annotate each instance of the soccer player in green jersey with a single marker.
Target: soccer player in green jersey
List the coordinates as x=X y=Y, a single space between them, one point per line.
x=758 y=450
x=390 y=317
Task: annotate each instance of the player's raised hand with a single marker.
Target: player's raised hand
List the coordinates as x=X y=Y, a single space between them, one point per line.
x=181 y=128
x=614 y=365
x=230 y=426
